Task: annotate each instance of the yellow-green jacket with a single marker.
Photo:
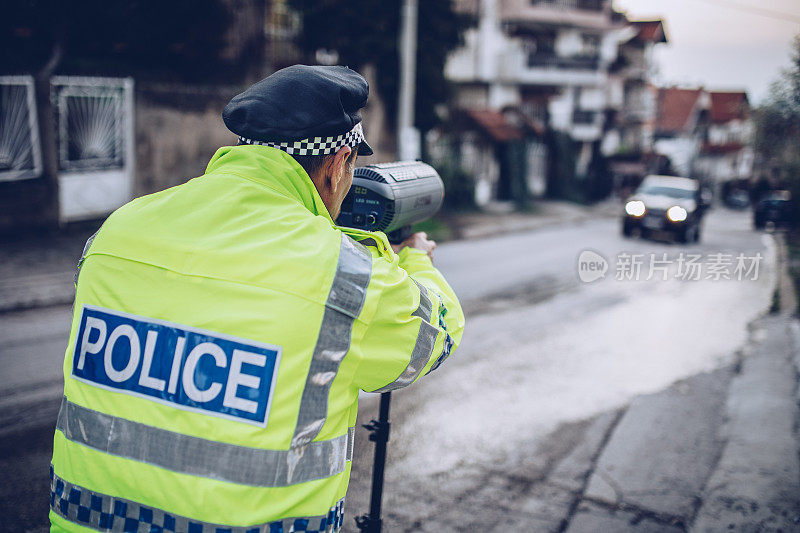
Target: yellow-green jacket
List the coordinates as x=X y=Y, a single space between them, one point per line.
x=222 y=330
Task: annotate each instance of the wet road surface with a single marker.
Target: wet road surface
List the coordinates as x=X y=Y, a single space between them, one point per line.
x=545 y=370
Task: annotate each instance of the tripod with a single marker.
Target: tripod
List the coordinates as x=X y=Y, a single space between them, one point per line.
x=379 y=434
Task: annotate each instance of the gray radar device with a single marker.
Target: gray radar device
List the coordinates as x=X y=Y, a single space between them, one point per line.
x=389 y=197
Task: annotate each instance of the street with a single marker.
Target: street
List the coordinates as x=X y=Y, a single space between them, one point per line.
x=522 y=426
x=509 y=432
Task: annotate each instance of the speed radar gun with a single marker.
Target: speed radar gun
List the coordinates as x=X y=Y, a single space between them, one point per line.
x=388 y=197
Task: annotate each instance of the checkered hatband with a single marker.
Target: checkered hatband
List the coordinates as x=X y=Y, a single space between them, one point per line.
x=315 y=145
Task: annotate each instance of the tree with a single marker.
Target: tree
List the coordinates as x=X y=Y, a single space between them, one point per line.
x=366 y=32
x=778 y=129
x=179 y=39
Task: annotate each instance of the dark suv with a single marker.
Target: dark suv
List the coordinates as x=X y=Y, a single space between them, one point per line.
x=665 y=204
x=774 y=207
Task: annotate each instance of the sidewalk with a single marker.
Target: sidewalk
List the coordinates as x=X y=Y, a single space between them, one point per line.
x=715 y=452
x=493 y=221
x=39 y=272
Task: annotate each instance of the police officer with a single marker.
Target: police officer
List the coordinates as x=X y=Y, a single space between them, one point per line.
x=223 y=329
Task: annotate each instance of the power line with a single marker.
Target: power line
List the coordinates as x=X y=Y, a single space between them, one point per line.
x=771 y=13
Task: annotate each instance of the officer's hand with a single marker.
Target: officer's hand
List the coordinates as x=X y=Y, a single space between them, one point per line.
x=419 y=241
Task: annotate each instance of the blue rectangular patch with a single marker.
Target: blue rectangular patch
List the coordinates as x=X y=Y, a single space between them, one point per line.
x=184 y=367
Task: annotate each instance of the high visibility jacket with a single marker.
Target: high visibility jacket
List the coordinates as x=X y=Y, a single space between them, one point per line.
x=222 y=330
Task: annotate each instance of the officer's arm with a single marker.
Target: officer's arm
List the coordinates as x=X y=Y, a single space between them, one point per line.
x=416 y=327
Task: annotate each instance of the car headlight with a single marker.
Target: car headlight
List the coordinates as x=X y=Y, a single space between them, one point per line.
x=676 y=213
x=635 y=208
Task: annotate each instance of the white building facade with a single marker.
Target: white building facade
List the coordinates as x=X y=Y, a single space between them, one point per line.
x=551 y=60
x=727 y=156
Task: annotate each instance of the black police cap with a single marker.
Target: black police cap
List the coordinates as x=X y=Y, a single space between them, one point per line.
x=303 y=110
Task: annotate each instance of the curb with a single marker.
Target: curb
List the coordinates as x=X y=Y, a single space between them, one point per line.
x=36 y=290
x=522 y=223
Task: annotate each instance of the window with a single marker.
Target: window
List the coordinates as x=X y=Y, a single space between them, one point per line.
x=592 y=5
x=20 y=157
x=580 y=116
x=589 y=5
x=541 y=49
x=591 y=45
x=91 y=125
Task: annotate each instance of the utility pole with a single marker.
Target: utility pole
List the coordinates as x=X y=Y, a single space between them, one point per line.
x=408 y=139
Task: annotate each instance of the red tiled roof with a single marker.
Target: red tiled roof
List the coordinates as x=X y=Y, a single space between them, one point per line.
x=675 y=108
x=495 y=124
x=721 y=149
x=650 y=31
x=727 y=106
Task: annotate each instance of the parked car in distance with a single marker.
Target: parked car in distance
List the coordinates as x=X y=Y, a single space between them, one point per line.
x=738 y=199
x=774 y=208
x=665 y=204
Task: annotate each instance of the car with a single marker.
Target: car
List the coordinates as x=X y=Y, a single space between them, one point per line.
x=665 y=205
x=738 y=199
x=775 y=208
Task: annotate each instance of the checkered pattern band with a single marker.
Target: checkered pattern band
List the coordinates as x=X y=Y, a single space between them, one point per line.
x=102 y=512
x=448 y=340
x=315 y=145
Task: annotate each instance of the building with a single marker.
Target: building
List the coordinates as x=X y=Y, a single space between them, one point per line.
x=726 y=156
x=555 y=63
x=631 y=77
x=74 y=148
x=706 y=135
x=682 y=120
x=628 y=143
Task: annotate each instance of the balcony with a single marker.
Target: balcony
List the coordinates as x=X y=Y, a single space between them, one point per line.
x=565 y=63
x=583 y=117
x=517 y=66
x=588 y=5
x=588 y=14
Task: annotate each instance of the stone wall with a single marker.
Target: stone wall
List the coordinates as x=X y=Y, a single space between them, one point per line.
x=376 y=124
x=178 y=129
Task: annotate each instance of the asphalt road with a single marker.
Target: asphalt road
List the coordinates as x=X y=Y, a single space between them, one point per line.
x=545 y=365
x=503 y=436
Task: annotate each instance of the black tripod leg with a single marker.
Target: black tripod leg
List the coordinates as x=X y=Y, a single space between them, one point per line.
x=379 y=433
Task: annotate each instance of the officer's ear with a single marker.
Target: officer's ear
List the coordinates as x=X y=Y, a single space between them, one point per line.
x=337 y=169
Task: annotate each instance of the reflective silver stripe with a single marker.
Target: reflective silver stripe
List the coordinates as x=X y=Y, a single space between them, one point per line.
x=83 y=256
x=200 y=457
x=425 y=305
x=345 y=299
x=103 y=512
x=351 y=439
x=423 y=348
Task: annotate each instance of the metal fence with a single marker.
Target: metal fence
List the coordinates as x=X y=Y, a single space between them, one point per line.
x=590 y=5
x=547 y=60
x=20 y=152
x=580 y=116
x=91 y=118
